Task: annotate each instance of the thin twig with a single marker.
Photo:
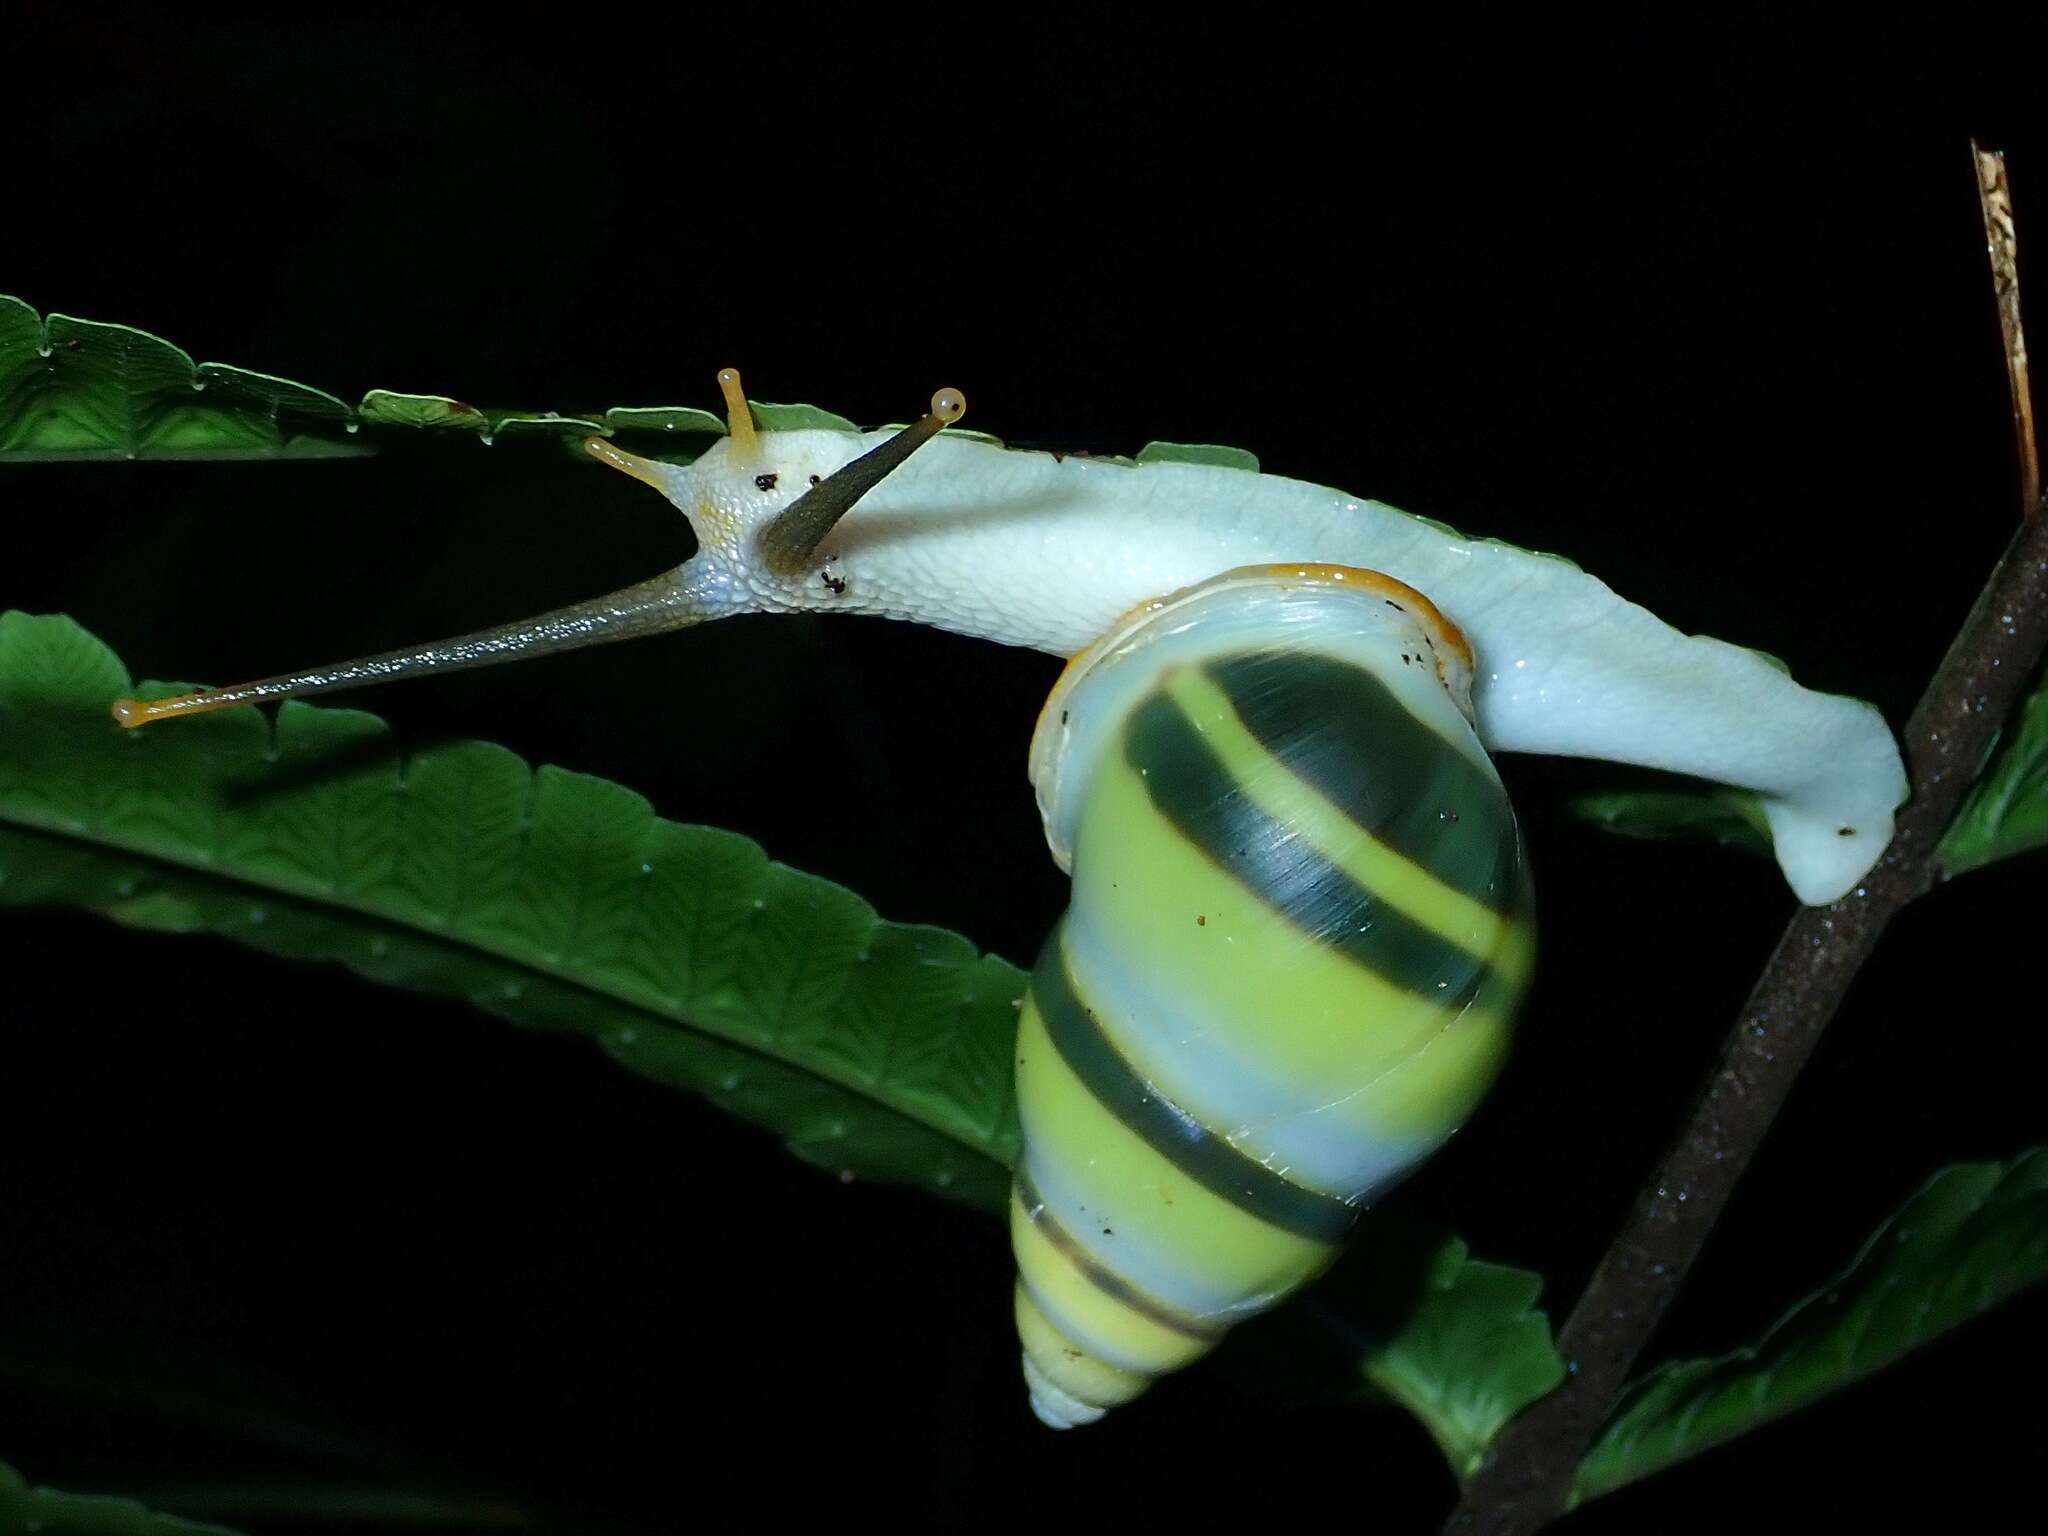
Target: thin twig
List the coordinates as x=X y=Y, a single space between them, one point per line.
x=2001 y=239
x=1525 y=1482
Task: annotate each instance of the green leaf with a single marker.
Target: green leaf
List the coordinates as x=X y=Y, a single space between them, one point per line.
x=1472 y=1354
x=770 y=417
x=1199 y=453
x=383 y=407
x=345 y=1504
x=255 y=1451
x=552 y=899
x=666 y=419
x=1732 y=817
x=72 y=389
x=432 y=413
x=82 y=389
x=1974 y=1234
x=2007 y=812
x=1408 y=1315
x=24 y=1509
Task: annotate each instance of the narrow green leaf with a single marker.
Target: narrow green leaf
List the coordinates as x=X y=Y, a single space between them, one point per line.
x=74 y=389
x=973 y=436
x=677 y=419
x=259 y=1454
x=1199 y=453
x=1408 y=1316
x=770 y=417
x=387 y=408
x=432 y=413
x=85 y=389
x=1732 y=817
x=2007 y=812
x=24 y=1510
x=344 y=1504
x=1973 y=1235
x=1472 y=1354
x=548 y=898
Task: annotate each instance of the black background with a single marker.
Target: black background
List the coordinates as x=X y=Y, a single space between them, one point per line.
x=1705 y=309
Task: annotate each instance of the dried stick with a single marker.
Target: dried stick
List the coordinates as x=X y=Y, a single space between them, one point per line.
x=2001 y=240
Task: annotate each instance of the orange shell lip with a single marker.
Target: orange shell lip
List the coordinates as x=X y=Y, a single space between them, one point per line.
x=1449 y=640
x=1443 y=634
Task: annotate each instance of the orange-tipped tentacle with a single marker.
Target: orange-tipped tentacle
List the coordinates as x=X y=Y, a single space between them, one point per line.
x=739 y=417
x=647 y=471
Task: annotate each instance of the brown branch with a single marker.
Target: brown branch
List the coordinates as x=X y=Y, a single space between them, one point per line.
x=1525 y=1482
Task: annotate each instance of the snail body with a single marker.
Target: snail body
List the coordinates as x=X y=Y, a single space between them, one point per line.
x=1047 y=551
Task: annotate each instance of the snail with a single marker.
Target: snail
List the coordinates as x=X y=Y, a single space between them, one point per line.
x=1301 y=917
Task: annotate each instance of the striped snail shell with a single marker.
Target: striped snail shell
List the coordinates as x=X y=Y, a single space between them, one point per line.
x=1299 y=927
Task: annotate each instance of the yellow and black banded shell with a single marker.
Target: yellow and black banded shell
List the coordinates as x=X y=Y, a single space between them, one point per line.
x=1300 y=925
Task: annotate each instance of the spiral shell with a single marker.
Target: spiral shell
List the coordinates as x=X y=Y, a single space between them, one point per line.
x=1299 y=928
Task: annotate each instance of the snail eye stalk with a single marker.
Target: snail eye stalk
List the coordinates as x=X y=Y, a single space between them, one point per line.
x=794 y=536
